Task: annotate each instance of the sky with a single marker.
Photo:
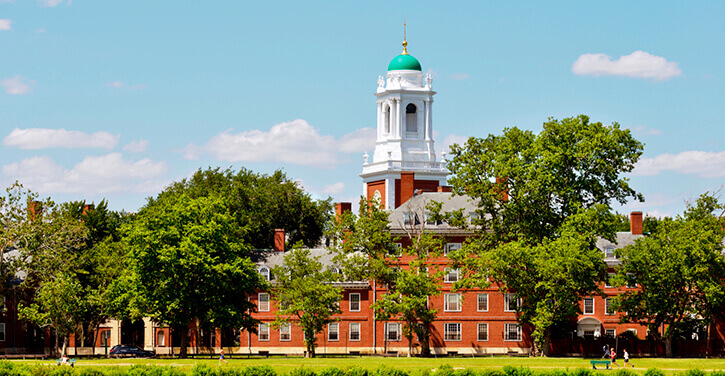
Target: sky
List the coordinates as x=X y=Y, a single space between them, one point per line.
x=117 y=99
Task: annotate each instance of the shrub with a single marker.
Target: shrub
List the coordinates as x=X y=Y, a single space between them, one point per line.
x=625 y=372
x=332 y=371
x=302 y=372
x=517 y=371
x=389 y=371
x=356 y=371
x=492 y=372
x=655 y=372
x=695 y=372
x=259 y=371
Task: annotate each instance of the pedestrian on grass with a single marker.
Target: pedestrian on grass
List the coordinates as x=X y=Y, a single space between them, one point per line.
x=613 y=356
x=626 y=359
x=221 y=358
x=605 y=349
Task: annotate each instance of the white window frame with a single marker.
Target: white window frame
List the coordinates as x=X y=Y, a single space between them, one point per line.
x=354 y=327
x=333 y=328
x=285 y=329
x=265 y=272
x=450 y=272
x=260 y=306
x=507 y=299
x=609 y=253
x=507 y=329
x=608 y=281
x=450 y=247
x=448 y=302
x=633 y=330
x=478 y=302
x=263 y=332
x=613 y=331
x=479 y=331
x=584 y=306
x=160 y=338
x=2 y=332
x=351 y=301
x=430 y=222
x=607 y=310
x=397 y=331
x=452 y=335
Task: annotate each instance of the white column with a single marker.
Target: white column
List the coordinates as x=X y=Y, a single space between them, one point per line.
x=429 y=116
x=389 y=193
x=115 y=333
x=398 y=122
x=381 y=122
x=148 y=334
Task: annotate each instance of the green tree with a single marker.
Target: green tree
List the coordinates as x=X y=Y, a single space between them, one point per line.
x=259 y=204
x=306 y=294
x=685 y=280
x=185 y=264
x=528 y=187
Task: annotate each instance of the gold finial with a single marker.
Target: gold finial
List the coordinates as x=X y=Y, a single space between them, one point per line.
x=405 y=42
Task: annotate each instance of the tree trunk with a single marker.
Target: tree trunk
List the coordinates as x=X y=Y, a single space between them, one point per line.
x=310 y=350
x=65 y=346
x=425 y=342
x=545 y=348
x=668 y=342
x=184 y=333
x=708 y=351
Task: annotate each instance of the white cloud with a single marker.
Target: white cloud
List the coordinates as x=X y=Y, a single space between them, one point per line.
x=16 y=85
x=638 y=64
x=361 y=140
x=40 y=31
x=643 y=130
x=453 y=139
x=119 y=85
x=43 y=138
x=6 y=24
x=294 y=142
x=52 y=3
x=136 y=146
x=102 y=174
x=701 y=163
x=460 y=76
x=333 y=189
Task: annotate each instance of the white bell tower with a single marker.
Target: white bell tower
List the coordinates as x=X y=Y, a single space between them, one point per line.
x=404 y=141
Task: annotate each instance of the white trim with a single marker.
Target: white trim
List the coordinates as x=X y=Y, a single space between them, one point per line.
x=607 y=304
x=359 y=300
x=478 y=332
x=446 y=333
x=398 y=331
x=285 y=328
x=447 y=304
x=263 y=329
x=336 y=331
x=507 y=298
x=506 y=331
x=478 y=302
x=359 y=332
x=264 y=308
x=584 y=306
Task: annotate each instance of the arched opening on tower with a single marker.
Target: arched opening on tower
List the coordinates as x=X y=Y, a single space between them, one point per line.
x=411 y=118
x=386 y=116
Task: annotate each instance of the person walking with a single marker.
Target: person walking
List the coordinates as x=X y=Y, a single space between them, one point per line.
x=626 y=359
x=605 y=349
x=221 y=358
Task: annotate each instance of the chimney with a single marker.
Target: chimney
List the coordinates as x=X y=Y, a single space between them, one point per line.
x=342 y=208
x=35 y=209
x=635 y=223
x=407 y=186
x=279 y=240
x=502 y=188
x=444 y=188
x=87 y=208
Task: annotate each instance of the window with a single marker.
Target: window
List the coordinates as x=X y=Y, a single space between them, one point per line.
x=333 y=331
x=510 y=303
x=452 y=331
x=264 y=271
x=393 y=331
x=386 y=118
x=450 y=247
x=452 y=303
x=512 y=332
x=263 y=304
x=631 y=281
x=263 y=332
x=451 y=275
x=608 y=281
x=482 y=332
x=634 y=331
x=430 y=221
x=482 y=302
x=609 y=252
x=354 y=302
x=160 y=338
x=354 y=331
x=411 y=119
x=610 y=333
x=473 y=218
x=285 y=332
x=608 y=310
x=588 y=306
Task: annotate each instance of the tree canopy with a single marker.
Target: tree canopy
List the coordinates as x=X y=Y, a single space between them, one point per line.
x=532 y=189
x=678 y=271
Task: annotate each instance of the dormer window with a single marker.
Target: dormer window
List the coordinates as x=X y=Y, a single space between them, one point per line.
x=264 y=271
x=411 y=118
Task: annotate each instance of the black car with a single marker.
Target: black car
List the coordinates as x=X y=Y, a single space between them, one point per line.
x=130 y=351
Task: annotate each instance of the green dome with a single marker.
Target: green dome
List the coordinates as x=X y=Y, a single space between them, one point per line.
x=404 y=62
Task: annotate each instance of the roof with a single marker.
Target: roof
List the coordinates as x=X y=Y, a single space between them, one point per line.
x=404 y=62
x=271 y=259
x=416 y=207
x=621 y=240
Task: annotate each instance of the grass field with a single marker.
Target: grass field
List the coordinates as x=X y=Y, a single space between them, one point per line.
x=414 y=365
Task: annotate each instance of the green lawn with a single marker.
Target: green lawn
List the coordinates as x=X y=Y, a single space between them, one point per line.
x=283 y=365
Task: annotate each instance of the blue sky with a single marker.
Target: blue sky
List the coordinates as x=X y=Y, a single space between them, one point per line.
x=115 y=100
